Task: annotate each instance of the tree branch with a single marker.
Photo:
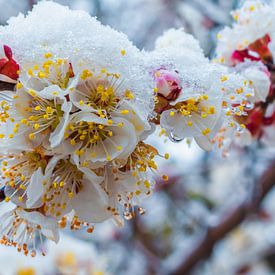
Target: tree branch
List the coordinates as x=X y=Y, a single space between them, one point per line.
x=250 y=205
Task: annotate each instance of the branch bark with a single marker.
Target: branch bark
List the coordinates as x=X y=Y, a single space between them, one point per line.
x=250 y=205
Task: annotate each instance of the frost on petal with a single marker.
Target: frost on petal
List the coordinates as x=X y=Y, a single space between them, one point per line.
x=178 y=38
x=67 y=33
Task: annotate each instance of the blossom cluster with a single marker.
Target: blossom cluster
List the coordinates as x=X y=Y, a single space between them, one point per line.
x=73 y=128
x=83 y=102
x=247 y=48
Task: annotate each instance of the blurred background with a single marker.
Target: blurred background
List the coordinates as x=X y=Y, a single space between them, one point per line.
x=215 y=216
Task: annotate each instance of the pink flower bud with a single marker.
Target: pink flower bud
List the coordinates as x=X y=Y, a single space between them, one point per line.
x=168 y=83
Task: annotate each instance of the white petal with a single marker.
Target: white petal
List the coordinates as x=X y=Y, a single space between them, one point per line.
x=57 y=135
x=89 y=205
x=7 y=79
x=89 y=117
x=51 y=92
x=95 y=181
x=51 y=234
x=135 y=117
x=35 y=189
x=204 y=142
x=260 y=82
x=49 y=227
x=32 y=82
x=52 y=163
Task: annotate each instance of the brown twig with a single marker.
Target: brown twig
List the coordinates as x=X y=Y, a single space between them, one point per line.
x=4 y=86
x=213 y=234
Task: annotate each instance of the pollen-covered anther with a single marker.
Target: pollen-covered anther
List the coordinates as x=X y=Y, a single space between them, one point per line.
x=206 y=131
x=124 y=112
x=224 y=78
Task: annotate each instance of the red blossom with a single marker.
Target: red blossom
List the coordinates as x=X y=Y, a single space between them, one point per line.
x=240 y=56
x=260 y=47
x=267 y=121
x=255 y=122
x=8 y=65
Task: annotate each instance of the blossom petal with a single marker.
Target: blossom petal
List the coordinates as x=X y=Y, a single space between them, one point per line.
x=89 y=205
x=57 y=135
x=49 y=227
x=35 y=189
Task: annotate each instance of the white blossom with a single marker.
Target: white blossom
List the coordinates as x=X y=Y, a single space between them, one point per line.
x=20 y=228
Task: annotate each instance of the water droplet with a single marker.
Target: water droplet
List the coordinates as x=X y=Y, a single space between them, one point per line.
x=249 y=106
x=128 y=215
x=173 y=138
x=141 y=211
x=240 y=130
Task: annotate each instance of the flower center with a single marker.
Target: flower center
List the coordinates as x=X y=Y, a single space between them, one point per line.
x=90 y=134
x=102 y=98
x=41 y=115
x=17 y=171
x=195 y=106
x=142 y=158
x=56 y=72
x=101 y=92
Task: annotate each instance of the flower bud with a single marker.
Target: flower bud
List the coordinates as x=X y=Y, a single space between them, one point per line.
x=168 y=83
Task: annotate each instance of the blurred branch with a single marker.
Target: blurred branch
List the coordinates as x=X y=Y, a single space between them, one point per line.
x=145 y=244
x=213 y=234
x=145 y=239
x=31 y=4
x=98 y=9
